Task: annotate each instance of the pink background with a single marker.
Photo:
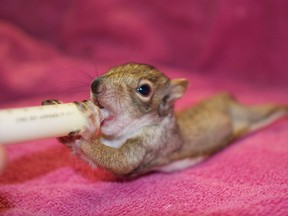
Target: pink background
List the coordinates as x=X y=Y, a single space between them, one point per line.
x=54 y=48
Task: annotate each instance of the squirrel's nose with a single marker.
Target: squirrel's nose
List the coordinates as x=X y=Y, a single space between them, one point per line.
x=97 y=87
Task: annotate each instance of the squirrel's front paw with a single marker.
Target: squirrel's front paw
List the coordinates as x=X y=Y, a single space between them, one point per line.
x=72 y=141
x=89 y=133
x=92 y=114
x=51 y=102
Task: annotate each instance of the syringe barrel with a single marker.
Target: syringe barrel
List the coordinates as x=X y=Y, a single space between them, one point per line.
x=31 y=123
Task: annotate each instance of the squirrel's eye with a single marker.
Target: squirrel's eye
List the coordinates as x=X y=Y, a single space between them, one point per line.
x=144 y=90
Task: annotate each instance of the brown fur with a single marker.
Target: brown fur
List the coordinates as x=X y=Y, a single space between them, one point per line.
x=156 y=136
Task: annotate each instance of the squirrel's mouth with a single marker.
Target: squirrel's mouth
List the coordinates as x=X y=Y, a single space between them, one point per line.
x=105 y=110
x=109 y=118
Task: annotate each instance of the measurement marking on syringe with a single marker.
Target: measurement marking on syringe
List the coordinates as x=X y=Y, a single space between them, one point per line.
x=56 y=115
x=42 y=117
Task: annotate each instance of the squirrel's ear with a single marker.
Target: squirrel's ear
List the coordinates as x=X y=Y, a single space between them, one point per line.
x=176 y=89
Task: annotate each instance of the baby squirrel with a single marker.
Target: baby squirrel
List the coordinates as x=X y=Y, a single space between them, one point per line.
x=142 y=133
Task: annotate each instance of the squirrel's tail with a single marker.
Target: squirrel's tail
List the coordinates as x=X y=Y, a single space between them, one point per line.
x=247 y=119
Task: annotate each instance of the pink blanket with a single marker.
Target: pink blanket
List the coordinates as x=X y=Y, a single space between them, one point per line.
x=53 y=49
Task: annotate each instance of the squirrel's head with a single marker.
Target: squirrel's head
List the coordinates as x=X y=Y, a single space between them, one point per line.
x=135 y=95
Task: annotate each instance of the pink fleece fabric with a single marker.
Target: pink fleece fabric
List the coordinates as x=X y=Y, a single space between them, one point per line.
x=53 y=49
